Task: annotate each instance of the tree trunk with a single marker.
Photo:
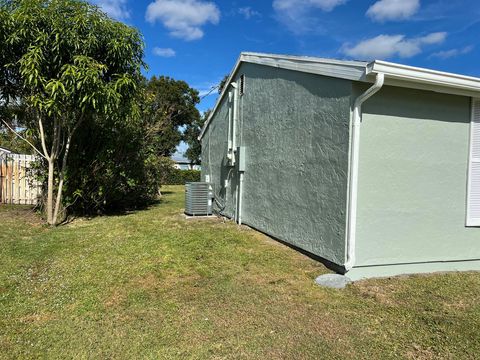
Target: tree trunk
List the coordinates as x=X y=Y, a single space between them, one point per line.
x=58 y=202
x=50 y=185
x=62 y=170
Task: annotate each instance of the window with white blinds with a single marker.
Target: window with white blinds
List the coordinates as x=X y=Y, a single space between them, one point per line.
x=473 y=200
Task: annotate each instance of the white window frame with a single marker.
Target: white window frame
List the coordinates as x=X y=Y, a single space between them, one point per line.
x=470 y=221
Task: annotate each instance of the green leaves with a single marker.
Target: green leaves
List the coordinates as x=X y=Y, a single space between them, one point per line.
x=72 y=58
x=168 y=105
x=75 y=70
x=190 y=136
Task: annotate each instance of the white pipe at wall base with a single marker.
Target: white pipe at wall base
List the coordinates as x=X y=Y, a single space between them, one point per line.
x=354 y=159
x=240 y=197
x=235 y=214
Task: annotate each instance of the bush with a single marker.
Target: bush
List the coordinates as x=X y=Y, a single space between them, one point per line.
x=107 y=174
x=180 y=177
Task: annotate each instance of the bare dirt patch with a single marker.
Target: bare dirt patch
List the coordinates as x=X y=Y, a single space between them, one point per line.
x=382 y=293
x=419 y=353
x=37 y=318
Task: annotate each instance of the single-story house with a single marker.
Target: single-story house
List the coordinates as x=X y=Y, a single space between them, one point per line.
x=371 y=166
x=182 y=163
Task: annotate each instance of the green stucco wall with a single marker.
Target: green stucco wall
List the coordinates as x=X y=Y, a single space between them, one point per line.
x=413 y=166
x=295 y=130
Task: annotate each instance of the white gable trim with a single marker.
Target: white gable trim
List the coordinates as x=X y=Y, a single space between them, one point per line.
x=350 y=70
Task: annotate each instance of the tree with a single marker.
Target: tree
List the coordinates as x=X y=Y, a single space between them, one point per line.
x=70 y=63
x=191 y=135
x=223 y=83
x=169 y=106
x=108 y=173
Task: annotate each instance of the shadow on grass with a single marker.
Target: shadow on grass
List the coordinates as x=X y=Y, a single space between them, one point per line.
x=29 y=213
x=124 y=211
x=327 y=263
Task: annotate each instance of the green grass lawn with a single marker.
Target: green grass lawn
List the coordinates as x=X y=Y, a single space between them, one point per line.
x=152 y=284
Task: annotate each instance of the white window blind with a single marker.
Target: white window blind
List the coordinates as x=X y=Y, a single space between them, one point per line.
x=473 y=201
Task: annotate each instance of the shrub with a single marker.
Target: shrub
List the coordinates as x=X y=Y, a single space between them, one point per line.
x=180 y=177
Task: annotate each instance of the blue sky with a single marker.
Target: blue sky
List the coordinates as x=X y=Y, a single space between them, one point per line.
x=199 y=40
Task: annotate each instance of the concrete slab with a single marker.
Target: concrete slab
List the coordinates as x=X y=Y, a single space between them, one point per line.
x=383 y=271
x=335 y=281
x=199 y=216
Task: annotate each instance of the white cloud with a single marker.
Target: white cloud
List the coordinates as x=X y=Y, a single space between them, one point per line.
x=432 y=38
x=116 y=9
x=299 y=16
x=386 y=46
x=295 y=5
x=164 y=52
x=183 y=18
x=446 y=54
x=394 y=10
x=248 y=12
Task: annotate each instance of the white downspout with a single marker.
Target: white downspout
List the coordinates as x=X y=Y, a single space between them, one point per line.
x=231 y=155
x=354 y=158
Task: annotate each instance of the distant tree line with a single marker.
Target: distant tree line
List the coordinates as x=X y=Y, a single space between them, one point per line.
x=73 y=93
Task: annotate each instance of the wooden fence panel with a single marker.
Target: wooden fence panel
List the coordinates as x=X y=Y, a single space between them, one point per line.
x=17 y=181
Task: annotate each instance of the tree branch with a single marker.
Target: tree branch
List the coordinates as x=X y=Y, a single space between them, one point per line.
x=24 y=139
x=42 y=138
x=56 y=138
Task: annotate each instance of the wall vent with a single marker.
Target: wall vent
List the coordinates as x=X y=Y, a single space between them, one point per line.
x=242 y=84
x=198 y=198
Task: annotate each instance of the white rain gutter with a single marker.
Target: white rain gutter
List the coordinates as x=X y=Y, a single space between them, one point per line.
x=353 y=175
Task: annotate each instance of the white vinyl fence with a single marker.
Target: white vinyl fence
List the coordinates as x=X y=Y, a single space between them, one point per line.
x=17 y=181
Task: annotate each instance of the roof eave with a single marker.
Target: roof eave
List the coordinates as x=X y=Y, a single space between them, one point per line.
x=425 y=79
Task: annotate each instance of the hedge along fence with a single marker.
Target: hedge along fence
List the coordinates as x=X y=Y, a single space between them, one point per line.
x=180 y=177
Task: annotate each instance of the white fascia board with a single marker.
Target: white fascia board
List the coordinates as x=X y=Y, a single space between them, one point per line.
x=425 y=79
x=350 y=70
x=343 y=69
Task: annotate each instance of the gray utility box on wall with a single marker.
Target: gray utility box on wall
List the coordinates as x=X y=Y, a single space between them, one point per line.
x=198 y=198
x=240 y=154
